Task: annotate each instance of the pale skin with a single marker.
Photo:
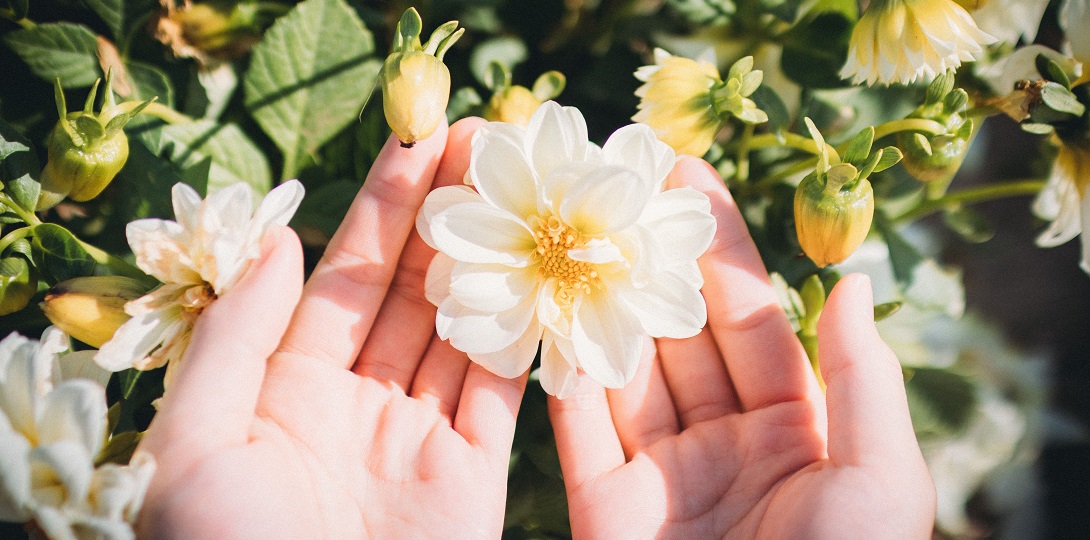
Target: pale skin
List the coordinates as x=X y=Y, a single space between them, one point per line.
x=333 y=411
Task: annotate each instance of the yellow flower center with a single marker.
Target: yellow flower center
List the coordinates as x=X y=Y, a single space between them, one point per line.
x=554 y=240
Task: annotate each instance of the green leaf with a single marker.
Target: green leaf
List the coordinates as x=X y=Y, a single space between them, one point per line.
x=18 y=167
x=881 y=311
x=234 y=158
x=309 y=77
x=120 y=448
x=323 y=209
x=144 y=183
x=1052 y=71
x=770 y=102
x=150 y=82
x=112 y=13
x=59 y=50
x=59 y=255
x=19 y=8
x=816 y=49
x=705 y=12
x=969 y=224
x=941 y=402
x=1060 y=99
x=903 y=256
x=858 y=149
x=507 y=51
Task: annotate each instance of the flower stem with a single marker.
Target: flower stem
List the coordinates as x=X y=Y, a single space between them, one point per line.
x=970 y=196
x=793 y=140
x=743 y=153
x=9 y=14
x=159 y=111
x=12 y=237
x=28 y=217
x=908 y=124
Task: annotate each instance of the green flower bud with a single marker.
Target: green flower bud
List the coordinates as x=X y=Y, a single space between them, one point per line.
x=930 y=157
x=91 y=309
x=415 y=82
x=731 y=96
x=86 y=150
x=18 y=283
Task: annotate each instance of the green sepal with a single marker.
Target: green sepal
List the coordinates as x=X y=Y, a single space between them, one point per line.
x=882 y=311
x=548 y=85
x=939 y=88
x=859 y=147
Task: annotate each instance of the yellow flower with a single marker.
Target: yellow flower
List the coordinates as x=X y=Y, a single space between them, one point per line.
x=515 y=104
x=903 y=40
x=675 y=101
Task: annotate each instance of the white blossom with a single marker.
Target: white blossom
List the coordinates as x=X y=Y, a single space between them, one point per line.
x=567 y=244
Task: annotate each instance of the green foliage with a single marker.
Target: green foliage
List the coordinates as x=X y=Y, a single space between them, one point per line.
x=58 y=50
x=309 y=77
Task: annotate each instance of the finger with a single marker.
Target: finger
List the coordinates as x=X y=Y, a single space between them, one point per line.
x=586 y=440
x=697 y=379
x=344 y=292
x=867 y=407
x=643 y=411
x=441 y=376
x=487 y=409
x=213 y=396
x=764 y=359
x=406 y=321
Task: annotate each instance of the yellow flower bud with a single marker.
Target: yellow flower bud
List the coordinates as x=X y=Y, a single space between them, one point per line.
x=415 y=82
x=91 y=309
x=831 y=222
x=415 y=90
x=514 y=105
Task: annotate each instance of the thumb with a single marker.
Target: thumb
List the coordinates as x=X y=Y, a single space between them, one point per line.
x=868 y=410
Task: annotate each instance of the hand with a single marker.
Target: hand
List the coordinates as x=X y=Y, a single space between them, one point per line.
x=724 y=434
x=348 y=418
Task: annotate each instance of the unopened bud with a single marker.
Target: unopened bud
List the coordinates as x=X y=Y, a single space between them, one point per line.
x=18 y=283
x=831 y=224
x=91 y=309
x=930 y=157
x=415 y=82
x=515 y=104
x=86 y=150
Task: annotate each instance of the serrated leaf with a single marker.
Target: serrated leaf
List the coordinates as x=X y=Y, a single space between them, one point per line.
x=112 y=13
x=308 y=77
x=969 y=224
x=234 y=157
x=58 y=50
x=59 y=255
x=150 y=82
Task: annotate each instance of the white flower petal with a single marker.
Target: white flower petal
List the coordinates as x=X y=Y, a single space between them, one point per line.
x=161 y=249
x=1066 y=222
x=607 y=339
x=549 y=313
x=1075 y=19
x=26 y=382
x=137 y=338
x=491 y=287
x=187 y=203
x=513 y=360
x=558 y=373
x=437 y=280
x=667 y=307
x=1085 y=263
x=479 y=233
x=477 y=332
x=682 y=217
x=500 y=170
x=605 y=200
x=75 y=410
x=65 y=462
x=276 y=209
x=597 y=251
x=15 y=501
x=438 y=200
x=54 y=523
x=635 y=146
x=555 y=136
x=81 y=365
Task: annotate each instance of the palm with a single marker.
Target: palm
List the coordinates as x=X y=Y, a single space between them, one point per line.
x=412 y=440
x=725 y=434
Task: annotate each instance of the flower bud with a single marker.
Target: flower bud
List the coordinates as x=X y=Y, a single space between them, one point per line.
x=415 y=82
x=515 y=104
x=210 y=32
x=86 y=150
x=930 y=157
x=91 y=309
x=831 y=224
x=18 y=283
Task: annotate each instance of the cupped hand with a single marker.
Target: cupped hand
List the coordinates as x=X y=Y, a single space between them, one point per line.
x=332 y=410
x=727 y=434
